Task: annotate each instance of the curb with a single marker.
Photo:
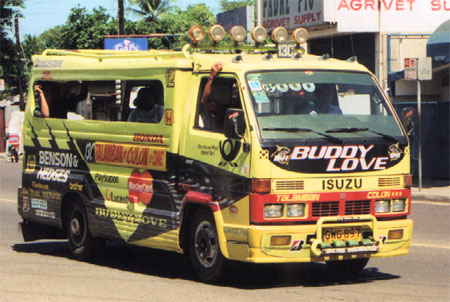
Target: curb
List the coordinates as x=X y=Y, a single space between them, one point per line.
x=430 y=197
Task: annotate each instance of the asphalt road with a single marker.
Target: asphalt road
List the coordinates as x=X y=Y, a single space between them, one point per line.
x=45 y=271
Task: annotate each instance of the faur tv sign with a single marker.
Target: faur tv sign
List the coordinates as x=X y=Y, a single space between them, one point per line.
x=126 y=44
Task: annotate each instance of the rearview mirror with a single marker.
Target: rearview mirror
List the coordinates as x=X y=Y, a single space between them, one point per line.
x=408 y=119
x=234 y=123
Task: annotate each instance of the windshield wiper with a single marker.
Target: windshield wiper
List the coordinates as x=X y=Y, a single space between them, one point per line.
x=354 y=129
x=293 y=129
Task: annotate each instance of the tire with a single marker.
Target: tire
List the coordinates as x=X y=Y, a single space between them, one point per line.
x=347 y=267
x=204 y=251
x=80 y=239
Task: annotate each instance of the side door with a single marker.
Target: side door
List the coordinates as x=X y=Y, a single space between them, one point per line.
x=219 y=166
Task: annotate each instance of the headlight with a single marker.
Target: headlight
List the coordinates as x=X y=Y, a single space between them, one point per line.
x=382 y=206
x=399 y=205
x=273 y=210
x=296 y=210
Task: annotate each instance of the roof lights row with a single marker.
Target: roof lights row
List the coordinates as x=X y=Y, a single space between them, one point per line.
x=238 y=33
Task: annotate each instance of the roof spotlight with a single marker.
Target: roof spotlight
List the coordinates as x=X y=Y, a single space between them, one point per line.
x=217 y=33
x=279 y=35
x=259 y=34
x=238 y=33
x=197 y=33
x=300 y=35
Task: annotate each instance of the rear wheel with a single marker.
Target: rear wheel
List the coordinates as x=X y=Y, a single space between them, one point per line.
x=204 y=250
x=347 y=267
x=80 y=238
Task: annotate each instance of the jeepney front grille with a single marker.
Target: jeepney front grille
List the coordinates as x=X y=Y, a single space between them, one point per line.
x=327 y=208
x=289 y=185
x=355 y=207
x=388 y=181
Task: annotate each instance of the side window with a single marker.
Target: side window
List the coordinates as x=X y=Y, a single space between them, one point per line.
x=145 y=101
x=101 y=100
x=211 y=113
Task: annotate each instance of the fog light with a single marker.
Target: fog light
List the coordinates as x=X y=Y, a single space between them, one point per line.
x=398 y=205
x=300 y=35
x=279 y=35
x=273 y=210
x=238 y=33
x=280 y=240
x=296 y=210
x=217 y=33
x=197 y=33
x=395 y=234
x=259 y=34
x=382 y=206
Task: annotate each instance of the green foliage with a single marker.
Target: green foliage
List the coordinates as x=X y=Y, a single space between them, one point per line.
x=226 y=5
x=85 y=31
x=150 y=10
x=8 y=55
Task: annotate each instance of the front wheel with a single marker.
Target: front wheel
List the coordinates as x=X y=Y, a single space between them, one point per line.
x=347 y=267
x=204 y=250
x=80 y=238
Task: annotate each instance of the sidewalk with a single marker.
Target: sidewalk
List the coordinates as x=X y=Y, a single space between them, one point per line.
x=432 y=190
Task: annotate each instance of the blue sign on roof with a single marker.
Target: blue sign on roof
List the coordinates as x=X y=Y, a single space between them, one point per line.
x=126 y=44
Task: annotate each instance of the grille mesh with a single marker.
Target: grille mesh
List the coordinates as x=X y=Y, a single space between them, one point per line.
x=328 y=208
x=289 y=185
x=388 y=181
x=355 y=207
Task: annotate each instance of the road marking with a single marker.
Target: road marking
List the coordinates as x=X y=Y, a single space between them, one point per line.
x=431 y=245
x=432 y=203
x=8 y=200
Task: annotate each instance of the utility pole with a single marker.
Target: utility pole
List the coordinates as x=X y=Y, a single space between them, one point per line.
x=120 y=17
x=19 y=62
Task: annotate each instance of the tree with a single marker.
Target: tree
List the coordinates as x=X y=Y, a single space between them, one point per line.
x=226 y=5
x=85 y=30
x=8 y=55
x=151 y=10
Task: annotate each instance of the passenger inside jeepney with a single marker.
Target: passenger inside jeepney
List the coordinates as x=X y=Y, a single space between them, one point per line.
x=218 y=95
x=45 y=98
x=147 y=110
x=325 y=101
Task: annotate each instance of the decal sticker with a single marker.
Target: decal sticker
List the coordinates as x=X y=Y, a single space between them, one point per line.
x=48 y=64
x=38 y=185
x=255 y=85
x=104 y=178
x=168 y=117
x=297 y=246
x=45 y=214
x=38 y=204
x=75 y=186
x=152 y=158
x=297 y=197
x=207 y=150
x=336 y=158
x=394 y=152
x=384 y=194
x=89 y=152
x=282 y=87
x=31 y=164
x=170 y=78
x=245 y=169
x=148 y=138
x=58 y=159
x=51 y=195
x=25 y=204
x=114 y=197
x=133 y=218
x=281 y=155
x=229 y=149
x=50 y=174
x=140 y=185
x=341 y=183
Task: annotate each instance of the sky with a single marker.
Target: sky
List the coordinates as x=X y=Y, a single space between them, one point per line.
x=40 y=15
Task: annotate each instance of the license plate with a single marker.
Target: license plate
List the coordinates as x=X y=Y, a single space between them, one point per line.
x=350 y=233
x=285 y=50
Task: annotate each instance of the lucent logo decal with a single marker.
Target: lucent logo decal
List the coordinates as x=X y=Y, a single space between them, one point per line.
x=341 y=158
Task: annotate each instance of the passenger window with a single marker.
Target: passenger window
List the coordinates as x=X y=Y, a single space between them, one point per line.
x=224 y=95
x=100 y=100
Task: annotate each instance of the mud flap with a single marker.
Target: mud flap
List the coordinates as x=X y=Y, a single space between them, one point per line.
x=32 y=231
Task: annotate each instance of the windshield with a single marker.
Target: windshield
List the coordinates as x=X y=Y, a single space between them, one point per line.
x=311 y=104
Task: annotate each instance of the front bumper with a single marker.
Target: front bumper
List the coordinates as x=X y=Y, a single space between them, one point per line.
x=305 y=244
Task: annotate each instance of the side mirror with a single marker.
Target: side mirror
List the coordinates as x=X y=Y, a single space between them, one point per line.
x=407 y=119
x=37 y=105
x=234 y=123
